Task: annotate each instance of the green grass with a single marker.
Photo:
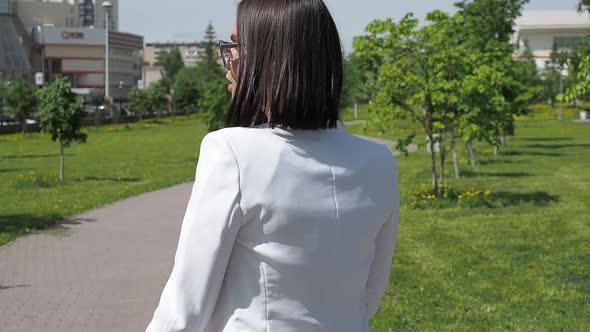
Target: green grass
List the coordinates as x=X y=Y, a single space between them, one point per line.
x=548 y=112
x=348 y=112
x=115 y=163
x=523 y=267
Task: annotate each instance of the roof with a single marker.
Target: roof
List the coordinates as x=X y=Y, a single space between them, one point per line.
x=553 y=19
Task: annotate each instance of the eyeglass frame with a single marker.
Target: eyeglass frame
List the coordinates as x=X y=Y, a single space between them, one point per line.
x=226 y=55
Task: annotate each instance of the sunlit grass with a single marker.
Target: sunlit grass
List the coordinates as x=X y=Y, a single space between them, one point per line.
x=115 y=163
x=523 y=266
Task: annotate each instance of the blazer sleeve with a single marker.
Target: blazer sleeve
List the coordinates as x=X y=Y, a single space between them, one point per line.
x=209 y=229
x=384 y=248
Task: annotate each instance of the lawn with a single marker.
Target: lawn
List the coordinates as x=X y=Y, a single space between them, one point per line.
x=115 y=163
x=523 y=267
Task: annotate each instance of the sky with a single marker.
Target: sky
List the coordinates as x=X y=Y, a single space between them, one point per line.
x=185 y=20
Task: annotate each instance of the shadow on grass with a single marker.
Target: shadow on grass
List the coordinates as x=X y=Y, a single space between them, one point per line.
x=531 y=153
x=471 y=174
x=33 y=156
x=539 y=198
x=546 y=139
x=8 y=170
x=105 y=178
x=15 y=225
x=556 y=146
x=500 y=161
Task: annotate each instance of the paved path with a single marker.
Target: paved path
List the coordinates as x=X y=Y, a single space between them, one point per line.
x=391 y=144
x=103 y=270
x=105 y=274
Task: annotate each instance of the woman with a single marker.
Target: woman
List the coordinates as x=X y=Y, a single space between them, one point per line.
x=292 y=220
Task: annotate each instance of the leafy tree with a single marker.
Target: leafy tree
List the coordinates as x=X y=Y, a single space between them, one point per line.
x=488 y=26
x=139 y=102
x=20 y=100
x=490 y=23
x=419 y=77
x=60 y=115
x=584 y=5
x=172 y=63
x=550 y=77
x=156 y=97
x=526 y=70
x=214 y=103
x=354 y=83
x=582 y=86
x=186 y=90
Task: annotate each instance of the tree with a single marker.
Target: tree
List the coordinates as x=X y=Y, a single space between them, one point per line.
x=419 y=77
x=20 y=100
x=214 y=103
x=139 y=102
x=172 y=63
x=186 y=90
x=582 y=86
x=60 y=115
x=583 y=5
x=488 y=26
x=216 y=98
x=156 y=97
x=208 y=68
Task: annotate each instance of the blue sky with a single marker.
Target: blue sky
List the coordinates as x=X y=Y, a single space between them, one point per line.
x=185 y=20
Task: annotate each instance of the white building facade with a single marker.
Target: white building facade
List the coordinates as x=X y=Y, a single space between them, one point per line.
x=546 y=31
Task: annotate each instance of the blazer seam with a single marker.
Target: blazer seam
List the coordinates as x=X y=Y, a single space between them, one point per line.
x=239 y=171
x=334 y=194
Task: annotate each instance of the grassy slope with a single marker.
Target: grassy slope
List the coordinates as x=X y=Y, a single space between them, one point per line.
x=115 y=163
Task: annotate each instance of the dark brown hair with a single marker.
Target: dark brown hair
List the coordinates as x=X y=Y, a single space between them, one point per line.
x=290 y=63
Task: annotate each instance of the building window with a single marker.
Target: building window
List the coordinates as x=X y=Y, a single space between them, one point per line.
x=567 y=42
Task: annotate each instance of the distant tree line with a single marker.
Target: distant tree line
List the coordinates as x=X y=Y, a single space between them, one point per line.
x=187 y=89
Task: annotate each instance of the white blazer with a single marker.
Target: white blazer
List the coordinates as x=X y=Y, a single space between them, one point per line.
x=285 y=230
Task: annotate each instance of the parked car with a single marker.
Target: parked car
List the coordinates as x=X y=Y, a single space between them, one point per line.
x=126 y=111
x=91 y=109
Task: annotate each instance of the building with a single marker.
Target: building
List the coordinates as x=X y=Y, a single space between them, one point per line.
x=546 y=31
x=15 y=44
x=66 y=38
x=79 y=54
x=152 y=74
x=65 y=13
x=191 y=52
x=86 y=13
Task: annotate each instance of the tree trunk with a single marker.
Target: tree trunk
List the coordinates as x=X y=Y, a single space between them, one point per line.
x=503 y=139
x=471 y=154
x=455 y=158
x=24 y=126
x=443 y=157
x=433 y=166
x=496 y=150
x=61 y=162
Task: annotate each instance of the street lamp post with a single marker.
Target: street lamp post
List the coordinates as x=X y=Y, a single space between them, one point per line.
x=106 y=8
